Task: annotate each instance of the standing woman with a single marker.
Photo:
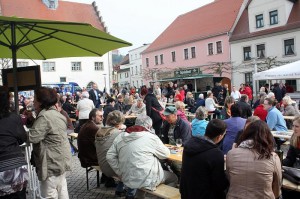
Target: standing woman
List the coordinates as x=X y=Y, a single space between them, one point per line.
x=253 y=168
x=13 y=171
x=51 y=149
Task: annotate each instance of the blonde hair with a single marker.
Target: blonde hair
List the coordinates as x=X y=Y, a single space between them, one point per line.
x=288 y=100
x=295 y=139
x=179 y=105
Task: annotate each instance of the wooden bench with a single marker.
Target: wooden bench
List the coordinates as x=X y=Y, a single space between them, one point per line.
x=165 y=191
x=289 y=185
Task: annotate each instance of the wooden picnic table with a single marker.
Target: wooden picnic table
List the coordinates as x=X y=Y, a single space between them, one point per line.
x=289 y=117
x=175 y=156
x=130 y=116
x=285 y=135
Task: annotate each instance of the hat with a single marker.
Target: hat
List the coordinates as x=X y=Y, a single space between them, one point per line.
x=170 y=110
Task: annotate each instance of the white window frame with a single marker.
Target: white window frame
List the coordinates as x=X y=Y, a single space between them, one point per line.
x=212 y=45
x=193 y=55
x=47 y=67
x=186 y=54
x=173 y=60
x=98 y=66
x=221 y=47
x=76 y=67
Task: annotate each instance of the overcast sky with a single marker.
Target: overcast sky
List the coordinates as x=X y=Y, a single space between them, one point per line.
x=141 y=21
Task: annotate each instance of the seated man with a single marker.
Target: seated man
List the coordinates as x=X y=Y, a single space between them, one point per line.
x=202 y=174
x=175 y=128
x=86 y=143
x=134 y=156
x=86 y=139
x=137 y=108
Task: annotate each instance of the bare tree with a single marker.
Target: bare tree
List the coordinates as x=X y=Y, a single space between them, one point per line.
x=268 y=63
x=4 y=63
x=220 y=67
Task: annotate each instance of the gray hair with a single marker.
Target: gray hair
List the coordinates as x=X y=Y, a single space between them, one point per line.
x=85 y=94
x=201 y=96
x=144 y=121
x=201 y=113
x=115 y=118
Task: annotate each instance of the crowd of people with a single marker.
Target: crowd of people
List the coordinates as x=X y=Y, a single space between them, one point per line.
x=132 y=153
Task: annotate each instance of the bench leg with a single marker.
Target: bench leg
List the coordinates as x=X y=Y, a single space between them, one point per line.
x=87 y=178
x=98 y=179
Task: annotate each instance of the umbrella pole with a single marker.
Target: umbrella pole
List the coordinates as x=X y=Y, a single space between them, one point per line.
x=14 y=62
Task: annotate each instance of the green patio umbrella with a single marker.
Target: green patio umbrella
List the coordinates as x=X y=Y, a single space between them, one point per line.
x=43 y=39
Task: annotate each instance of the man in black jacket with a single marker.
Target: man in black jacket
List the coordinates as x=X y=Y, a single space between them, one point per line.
x=245 y=107
x=202 y=174
x=95 y=95
x=175 y=128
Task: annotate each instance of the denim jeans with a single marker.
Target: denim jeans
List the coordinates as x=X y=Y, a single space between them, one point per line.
x=120 y=187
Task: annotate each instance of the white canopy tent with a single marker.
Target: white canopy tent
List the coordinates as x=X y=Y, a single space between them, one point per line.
x=288 y=71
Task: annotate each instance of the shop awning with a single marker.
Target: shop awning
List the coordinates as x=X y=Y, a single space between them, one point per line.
x=197 y=77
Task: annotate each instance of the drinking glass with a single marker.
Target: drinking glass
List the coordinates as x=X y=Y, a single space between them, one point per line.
x=179 y=144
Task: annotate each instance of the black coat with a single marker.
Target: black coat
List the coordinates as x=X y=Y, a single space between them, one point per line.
x=106 y=110
x=182 y=130
x=202 y=174
x=291 y=158
x=245 y=108
x=93 y=96
x=152 y=102
x=12 y=135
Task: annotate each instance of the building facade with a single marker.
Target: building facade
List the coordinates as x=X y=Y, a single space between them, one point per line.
x=82 y=70
x=267 y=35
x=199 y=40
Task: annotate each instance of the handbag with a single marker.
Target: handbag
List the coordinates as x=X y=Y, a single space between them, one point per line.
x=163 y=117
x=291 y=174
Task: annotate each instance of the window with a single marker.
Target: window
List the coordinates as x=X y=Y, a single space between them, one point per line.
x=193 y=52
x=141 y=69
x=63 y=79
x=161 y=59
x=147 y=62
x=173 y=56
x=22 y=63
x=289 y=47
x=75 y=66
x=48 y=66
x=259 y=21
x=248 y=78
x=247 y=53
x=136 y=70
x=273 y=17
x=131 y=70
x=219 y=47
x=156 y=60
x=186 y=53
x=99 y=66
x=210 y=49
x=141 y=82
x=120 y=75
x=137 y=83
x=260 y=51
x=126 y=75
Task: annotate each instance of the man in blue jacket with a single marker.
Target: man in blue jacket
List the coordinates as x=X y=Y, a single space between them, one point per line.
x=274 y=118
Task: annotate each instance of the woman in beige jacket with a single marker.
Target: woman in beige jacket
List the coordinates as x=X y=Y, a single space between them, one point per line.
x=254 y=170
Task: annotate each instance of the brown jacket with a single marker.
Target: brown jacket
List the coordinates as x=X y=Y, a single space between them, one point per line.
x=253 y=178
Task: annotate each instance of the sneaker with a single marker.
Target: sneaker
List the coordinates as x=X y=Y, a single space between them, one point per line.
x=120 y=193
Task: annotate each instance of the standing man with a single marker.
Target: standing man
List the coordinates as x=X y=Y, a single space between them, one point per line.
x=95 y=95
x=202 y=174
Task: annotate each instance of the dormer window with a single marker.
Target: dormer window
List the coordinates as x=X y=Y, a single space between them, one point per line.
x=273 y=17
x=259 y=21
x=51 y=4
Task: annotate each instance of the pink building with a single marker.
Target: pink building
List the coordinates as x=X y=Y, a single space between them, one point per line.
x=198 y=40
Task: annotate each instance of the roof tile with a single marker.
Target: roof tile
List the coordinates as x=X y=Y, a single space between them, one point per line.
x=212 y=19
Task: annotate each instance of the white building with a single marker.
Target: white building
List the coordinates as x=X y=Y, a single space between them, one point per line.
x=136 y=67
x=267 y=30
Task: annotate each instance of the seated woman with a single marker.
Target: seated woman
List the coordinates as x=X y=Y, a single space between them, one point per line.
x=260 y=111
x=289 y=108
x=180 y=106
x=210 y=104
x=103 y=141
x=293 y=156
x=199 y=123
x=225 y=112
x=254 y=169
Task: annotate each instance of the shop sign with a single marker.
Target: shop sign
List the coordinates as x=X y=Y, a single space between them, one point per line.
x=187 y=72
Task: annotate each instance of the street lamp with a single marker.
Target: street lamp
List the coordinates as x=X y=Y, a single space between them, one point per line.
x=105 y=82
